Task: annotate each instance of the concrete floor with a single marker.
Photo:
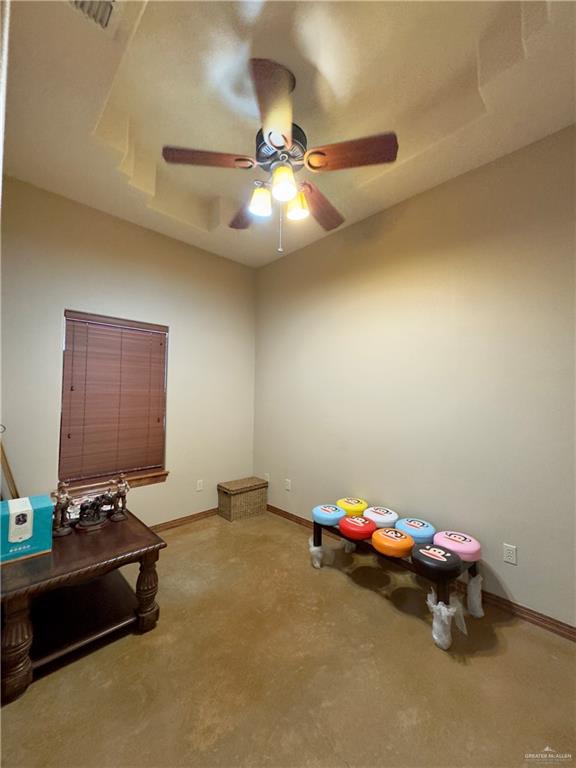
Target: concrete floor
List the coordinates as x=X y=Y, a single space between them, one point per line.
x=260 y=660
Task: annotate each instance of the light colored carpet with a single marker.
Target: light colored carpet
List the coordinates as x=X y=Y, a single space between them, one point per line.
x=260 y=660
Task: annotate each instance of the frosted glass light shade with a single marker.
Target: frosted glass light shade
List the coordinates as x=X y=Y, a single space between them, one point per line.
x=297 y=208
x=261 y=202
x=283 y=183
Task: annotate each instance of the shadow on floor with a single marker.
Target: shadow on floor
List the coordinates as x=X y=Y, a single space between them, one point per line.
x=80 y=653
x=385 y=579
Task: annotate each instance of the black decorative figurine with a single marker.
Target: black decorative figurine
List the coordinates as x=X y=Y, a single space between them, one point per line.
x=93 y=516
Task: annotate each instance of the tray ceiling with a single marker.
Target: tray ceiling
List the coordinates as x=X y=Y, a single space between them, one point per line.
x=89 y=109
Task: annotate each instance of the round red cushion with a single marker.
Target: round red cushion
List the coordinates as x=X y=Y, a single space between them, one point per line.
x=355 y=527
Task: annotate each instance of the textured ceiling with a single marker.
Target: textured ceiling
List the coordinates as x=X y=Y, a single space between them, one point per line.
x=89 y=110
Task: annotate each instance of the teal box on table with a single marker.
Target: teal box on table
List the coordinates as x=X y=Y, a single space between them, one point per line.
x=25 y=527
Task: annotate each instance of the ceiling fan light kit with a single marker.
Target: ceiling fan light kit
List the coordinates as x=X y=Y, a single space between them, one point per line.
x=282 y=150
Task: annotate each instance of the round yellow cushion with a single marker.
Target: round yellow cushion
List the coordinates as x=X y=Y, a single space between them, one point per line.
x=352 y=506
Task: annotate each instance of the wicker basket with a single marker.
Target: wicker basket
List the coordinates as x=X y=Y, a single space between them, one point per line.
x=243 y=498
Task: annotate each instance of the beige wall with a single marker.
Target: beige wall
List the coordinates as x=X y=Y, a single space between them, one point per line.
x=423 y=359
x=58 y=254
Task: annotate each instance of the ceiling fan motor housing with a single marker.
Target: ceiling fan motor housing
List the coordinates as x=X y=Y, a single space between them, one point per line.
x=267 y=157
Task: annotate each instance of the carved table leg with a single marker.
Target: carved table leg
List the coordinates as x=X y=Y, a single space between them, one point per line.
x=16 y=642
x=146 y=589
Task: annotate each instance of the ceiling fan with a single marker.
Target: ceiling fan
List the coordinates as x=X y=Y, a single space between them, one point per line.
x=282 y=150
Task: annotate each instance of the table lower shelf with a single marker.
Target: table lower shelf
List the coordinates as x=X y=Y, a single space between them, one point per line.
x=68 y=618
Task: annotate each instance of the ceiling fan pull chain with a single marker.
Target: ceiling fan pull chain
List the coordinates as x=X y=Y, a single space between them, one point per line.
x=280 y=249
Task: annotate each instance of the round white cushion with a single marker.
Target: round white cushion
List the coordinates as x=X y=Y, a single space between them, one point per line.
x=382 y=516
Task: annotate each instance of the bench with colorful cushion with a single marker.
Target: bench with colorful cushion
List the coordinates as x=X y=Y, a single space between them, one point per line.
x=439 y=556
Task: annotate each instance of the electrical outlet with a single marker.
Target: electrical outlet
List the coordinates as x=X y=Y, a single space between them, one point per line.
x=287 y=485
x=199 y=485
x=267 y=476
x=510 y=554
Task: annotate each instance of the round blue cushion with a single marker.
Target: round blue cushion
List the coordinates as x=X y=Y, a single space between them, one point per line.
x=327 y=514
x=421 y=531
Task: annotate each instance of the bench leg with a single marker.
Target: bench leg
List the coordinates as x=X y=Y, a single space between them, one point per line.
x=442 y=615
x=443 y=592
x=474 y=592
x=315 y=546
x=317 y=535
x=16 y=642
x=444 y=608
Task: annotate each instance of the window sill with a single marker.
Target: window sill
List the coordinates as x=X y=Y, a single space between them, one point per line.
x=135 y=479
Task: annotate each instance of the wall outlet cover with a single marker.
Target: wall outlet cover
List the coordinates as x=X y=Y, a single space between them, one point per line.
x=510 y=555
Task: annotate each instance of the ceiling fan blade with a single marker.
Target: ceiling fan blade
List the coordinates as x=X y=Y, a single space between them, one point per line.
x=185 y=156
x=321 y=208
x=273 y=84
x=371 y=150
x=242 y=219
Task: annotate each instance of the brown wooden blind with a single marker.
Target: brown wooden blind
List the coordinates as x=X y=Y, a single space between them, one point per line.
x=113 y=397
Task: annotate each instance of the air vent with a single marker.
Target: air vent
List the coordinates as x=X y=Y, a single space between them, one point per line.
x=99 y=11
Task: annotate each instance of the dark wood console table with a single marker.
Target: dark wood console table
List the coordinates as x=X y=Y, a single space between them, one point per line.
x=56 y=603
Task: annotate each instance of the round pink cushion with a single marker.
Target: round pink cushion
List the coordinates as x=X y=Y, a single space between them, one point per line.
x=468 y=548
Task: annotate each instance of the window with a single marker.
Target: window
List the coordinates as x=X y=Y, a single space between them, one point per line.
x=113 y=400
